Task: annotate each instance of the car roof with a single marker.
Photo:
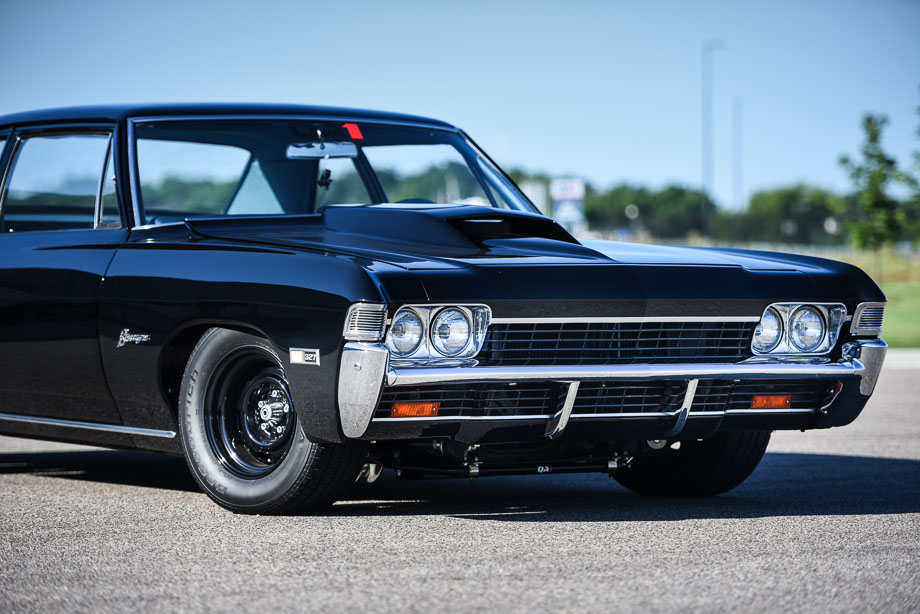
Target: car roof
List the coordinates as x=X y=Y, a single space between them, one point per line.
x=124 y=111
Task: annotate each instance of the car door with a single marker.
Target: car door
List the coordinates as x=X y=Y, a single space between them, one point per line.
x=59 y=228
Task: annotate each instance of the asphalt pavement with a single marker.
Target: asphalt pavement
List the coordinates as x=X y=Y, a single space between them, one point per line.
x=830 y=521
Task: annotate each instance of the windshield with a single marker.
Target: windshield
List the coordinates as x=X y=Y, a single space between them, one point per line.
x=190 y=168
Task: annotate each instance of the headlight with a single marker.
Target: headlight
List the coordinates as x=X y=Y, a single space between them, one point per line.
x=806 y=329
x=405 y=334
x=450 y=332
x=769 y=332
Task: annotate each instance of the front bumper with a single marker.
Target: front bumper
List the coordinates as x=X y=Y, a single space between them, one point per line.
x=365 y=369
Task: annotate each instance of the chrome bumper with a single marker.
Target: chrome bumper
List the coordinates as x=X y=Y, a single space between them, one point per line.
x=365 y=369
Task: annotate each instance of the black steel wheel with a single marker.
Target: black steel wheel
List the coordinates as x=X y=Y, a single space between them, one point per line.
x=242 y=436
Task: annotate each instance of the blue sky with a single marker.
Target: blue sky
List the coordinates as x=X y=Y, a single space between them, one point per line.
x=606 y=90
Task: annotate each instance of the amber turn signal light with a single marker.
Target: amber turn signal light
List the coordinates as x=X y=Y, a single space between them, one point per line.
x=415 y=409
x=771 y=401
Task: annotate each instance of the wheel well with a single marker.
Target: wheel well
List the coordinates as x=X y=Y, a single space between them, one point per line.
x=176 y=352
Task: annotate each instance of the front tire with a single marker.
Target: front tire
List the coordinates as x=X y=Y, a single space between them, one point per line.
x=242 y=438
x=698 y=468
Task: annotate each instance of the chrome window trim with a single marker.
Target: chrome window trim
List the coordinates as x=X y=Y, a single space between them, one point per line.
x=92 y=426
x=856 y=329
x=15 y=142
x=97 y=217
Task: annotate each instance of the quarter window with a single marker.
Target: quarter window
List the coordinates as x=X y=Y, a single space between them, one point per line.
x=109 y=216
x=54 y=182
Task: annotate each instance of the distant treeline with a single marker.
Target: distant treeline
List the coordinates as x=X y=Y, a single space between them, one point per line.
x=793 y=214
x=869 y=216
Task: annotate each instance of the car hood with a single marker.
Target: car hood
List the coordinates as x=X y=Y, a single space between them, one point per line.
x=433 y=237
x=526 y=264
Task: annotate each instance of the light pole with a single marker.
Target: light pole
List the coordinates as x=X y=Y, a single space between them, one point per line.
x=738 y=153
x=709 y=46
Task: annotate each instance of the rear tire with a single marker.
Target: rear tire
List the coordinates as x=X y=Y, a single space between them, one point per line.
x=699 y=468
x=242 y=438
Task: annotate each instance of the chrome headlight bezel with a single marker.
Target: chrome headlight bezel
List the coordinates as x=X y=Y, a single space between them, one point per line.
x=769 y=311
x=405 y=314
x=833 y=315
x=802 y=312
x=478 y=317
x=439 y=345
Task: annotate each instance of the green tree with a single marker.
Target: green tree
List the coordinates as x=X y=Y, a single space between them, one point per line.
x=672 y=212
x=911 y=178
x=791 y=214
x=879 y=217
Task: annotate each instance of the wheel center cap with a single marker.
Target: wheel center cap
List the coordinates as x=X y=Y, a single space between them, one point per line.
x=265 y=413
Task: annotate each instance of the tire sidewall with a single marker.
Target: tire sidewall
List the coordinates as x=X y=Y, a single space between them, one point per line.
x=216 y=480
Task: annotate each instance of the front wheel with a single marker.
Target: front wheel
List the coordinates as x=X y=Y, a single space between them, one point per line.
x=241 y=435
x=697 y=468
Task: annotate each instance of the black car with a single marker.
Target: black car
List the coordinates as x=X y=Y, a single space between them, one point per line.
x=294 y=297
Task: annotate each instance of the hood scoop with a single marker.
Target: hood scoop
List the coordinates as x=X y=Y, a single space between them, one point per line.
x=462 y=227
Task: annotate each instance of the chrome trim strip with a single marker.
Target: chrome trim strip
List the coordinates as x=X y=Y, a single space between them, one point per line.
x=97 y=216
x=420 y=376
x=557 y=425
x=427 y=125
x=767 y=412
x=92 y=426
x=465 y=418
x=626 y=415
x=684 y=409
x=625 y=319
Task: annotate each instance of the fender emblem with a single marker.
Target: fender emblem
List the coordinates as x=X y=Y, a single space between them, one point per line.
x=301 y=356
x=127 y=336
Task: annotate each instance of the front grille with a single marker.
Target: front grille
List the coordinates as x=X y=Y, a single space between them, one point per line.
x=459 y=400
x=729 y=395
x=616 y=343
x=540 y=399
x=629 y=397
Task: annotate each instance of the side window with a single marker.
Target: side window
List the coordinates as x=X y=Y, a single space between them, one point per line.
x=54 y=182
x=181 y=178
x=109 y=216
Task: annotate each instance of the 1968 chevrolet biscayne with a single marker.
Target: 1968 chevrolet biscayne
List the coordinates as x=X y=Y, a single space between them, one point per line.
x=294 y=297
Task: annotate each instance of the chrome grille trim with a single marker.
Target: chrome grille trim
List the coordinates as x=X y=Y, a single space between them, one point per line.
x=625 y=319
x=365 y=322
x=867 y=319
